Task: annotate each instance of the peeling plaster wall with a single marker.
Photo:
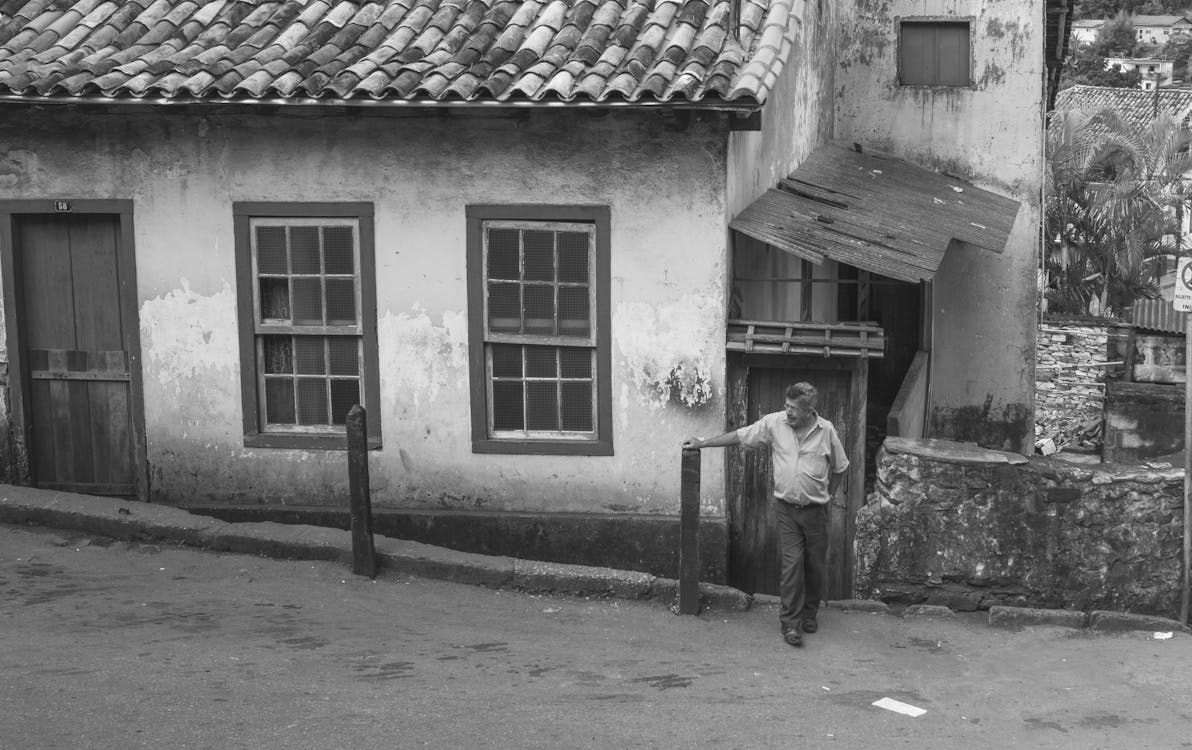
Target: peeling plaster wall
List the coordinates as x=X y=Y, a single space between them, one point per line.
x=992 y=134
x=666 y=191
x=798 y=114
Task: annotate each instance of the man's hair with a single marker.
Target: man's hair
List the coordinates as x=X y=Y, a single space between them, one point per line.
x=801 y=390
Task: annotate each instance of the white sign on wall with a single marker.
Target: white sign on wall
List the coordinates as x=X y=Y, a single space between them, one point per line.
x=1183 y=286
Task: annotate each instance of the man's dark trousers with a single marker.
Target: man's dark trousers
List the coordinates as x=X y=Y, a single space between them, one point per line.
x=803 y=542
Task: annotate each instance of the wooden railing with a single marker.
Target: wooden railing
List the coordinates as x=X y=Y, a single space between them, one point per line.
x=823 y=339
x=908 y=413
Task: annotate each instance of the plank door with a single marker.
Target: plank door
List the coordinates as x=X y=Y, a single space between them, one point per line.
x=754 y=560
x=74 y=342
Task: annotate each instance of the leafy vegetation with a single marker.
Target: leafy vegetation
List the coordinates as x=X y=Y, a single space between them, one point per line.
x=1112 y=191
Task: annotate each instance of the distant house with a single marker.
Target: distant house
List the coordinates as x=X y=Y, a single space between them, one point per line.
x=1159 y=29
x=1085 y=31
x=540 y=241
x=1152 y=71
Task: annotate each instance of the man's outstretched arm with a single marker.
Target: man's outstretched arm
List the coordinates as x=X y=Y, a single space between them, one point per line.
x=720 y=441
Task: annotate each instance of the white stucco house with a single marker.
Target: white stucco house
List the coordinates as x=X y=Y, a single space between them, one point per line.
x=1152 y=71
x=541 y=242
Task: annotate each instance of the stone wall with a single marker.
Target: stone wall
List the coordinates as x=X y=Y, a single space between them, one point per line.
x=1069 y=380
x=952 y=524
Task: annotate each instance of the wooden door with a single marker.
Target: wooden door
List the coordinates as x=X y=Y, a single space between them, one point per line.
x=75 y=333
x=757 y=388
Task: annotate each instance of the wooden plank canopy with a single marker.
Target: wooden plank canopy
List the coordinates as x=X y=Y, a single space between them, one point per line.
x=877 y=213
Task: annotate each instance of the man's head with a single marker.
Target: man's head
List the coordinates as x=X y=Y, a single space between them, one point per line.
x=800 y=404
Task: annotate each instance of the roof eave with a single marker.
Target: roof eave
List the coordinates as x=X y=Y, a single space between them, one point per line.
x=740 y=105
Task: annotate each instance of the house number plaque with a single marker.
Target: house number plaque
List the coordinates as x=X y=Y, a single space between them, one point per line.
x=62 y=206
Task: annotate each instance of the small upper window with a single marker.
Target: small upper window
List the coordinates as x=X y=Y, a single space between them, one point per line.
x=933 y=53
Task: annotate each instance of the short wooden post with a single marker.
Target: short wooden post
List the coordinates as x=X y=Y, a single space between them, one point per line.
x=689 y=533
x=364 y=559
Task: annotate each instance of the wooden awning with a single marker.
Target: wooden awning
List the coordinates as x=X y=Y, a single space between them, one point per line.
x=877 y=213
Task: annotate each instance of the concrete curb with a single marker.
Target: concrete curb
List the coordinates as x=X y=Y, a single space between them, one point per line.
x=143 y=522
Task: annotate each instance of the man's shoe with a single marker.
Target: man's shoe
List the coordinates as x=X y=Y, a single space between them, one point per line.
x=792 y=636
x=810 y=625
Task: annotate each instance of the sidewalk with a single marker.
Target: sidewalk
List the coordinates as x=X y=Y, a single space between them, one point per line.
x=136 y=521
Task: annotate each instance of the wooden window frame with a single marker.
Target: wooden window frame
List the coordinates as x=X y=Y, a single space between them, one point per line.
x=482 y=440
x=255 y=436
x=900 y=23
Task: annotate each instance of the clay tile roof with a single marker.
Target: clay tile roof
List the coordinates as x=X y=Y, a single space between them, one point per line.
x=530 y=51
x=1135 y=105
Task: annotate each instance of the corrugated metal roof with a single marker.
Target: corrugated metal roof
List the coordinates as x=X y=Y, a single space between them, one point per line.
x=876 y=212
x=526 y=51
x=1159 y=314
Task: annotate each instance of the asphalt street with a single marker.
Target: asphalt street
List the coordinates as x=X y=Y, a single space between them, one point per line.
x=112 y=644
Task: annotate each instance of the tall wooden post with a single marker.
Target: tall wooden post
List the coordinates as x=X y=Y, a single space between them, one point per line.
x=1186 y=580
x=689 y=533
x=364 y=559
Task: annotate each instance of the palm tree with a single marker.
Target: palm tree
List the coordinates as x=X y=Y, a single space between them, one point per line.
x=1113 y=192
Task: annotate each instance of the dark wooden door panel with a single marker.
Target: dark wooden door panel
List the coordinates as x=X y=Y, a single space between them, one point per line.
x=74 y=339
x=754 y=558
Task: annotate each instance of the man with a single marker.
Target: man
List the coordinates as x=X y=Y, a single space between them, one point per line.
x=809 y=465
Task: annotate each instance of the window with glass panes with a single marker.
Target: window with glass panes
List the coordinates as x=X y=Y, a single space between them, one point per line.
x=308 y=332
x=540 y=343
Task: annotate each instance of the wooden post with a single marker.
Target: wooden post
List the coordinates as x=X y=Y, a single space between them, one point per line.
x=1187 y=470
x=364 y=559
x=689 y=533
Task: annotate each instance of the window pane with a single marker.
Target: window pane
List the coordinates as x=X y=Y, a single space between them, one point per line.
x=312 y=401
x=573 y=256
x=341 y=302
x=915 y=54
x=344 y=355
x=308 y=302
x=575 y=363
x=279 y=400
x=308 y=352
x=540 y=362
x=344 y=395
x=574 y=311
x=271 y=250
x=507 y=406
x=275 y=299
x=503 y=260
x=507 y=361
x=540 y=309
x=540 y=255
x=953 y=41
x=504 y=307
x=338 y=250
x=542 y=406
x=577 y=406
x=304 y=250
x=279 y=355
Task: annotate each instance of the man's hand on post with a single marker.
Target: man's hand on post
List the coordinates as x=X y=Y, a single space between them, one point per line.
x=693 y=443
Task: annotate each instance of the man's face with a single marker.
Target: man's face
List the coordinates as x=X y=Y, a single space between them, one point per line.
x=798 y=411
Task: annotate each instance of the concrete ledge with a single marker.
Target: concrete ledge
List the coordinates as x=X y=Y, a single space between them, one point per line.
x=418 y=559
x=860 y=605
x=535 y=576
x=927 y=610
x=1124 y=621
x=844 y=605
x=629 y=541
x=711 y=595
x=1017 y=617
